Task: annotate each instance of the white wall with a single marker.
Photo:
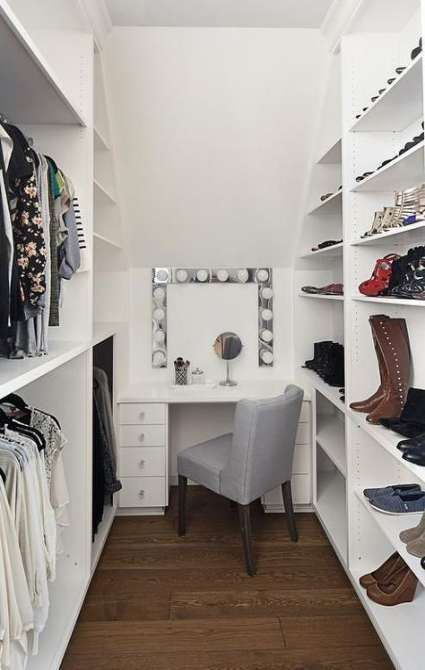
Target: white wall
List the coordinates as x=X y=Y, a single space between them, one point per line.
x=213 y=132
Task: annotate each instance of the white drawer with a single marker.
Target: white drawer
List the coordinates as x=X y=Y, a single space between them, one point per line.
x=143 y=492
x=139 y=413
x=303 y=434
x=305 y=416
x=142 y=436
x=301 y=492
x=302 y=460
x=143 y=461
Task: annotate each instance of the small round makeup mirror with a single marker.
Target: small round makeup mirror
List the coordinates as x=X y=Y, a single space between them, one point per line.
x=228 y=346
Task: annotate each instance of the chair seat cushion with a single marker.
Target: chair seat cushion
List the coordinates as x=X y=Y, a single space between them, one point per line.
x=204 y=462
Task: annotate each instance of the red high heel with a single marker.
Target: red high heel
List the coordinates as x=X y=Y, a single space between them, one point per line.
x=380 y=280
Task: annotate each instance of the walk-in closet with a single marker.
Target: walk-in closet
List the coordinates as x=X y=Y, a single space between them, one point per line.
x=212 y=378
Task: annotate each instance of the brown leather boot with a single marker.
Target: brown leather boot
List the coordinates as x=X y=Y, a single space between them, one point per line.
x=382 y=574
x=369 y=405
x=402 y=591
x=393 y=340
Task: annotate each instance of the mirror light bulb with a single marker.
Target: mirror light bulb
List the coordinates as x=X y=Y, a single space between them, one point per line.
x=181 y=275
x=266 y=335
x=202 y=275
x=159 y=337
x=159 y=294
x=243 y=275
x=266 y=356
x=222 y=275
x=267 y=314
x=262 y=275
x=158 y=313
x=267 y=293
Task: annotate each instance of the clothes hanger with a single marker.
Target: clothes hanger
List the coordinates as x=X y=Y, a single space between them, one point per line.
x=3 y=476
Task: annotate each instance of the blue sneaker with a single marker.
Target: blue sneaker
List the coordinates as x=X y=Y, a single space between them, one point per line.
x=390 y=490
x=403 y=503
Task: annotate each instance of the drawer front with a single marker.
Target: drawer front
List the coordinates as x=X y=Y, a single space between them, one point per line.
x=142 y=436
x=143 y=492
x=303 y=434
x=142 y=461
x=140 y=413
x=302 y=460
x=305 y=416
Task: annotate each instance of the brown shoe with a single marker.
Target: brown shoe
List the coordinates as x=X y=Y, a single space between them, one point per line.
x=383 y=573
x=396 y=593
x=373 y=401
x=393 y=341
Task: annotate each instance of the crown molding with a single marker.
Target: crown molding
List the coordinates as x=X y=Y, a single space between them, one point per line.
x=98 y=19
x=338 y=20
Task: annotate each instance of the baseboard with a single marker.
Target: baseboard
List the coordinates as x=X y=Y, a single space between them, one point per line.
x=140 y=511
x=279 y=509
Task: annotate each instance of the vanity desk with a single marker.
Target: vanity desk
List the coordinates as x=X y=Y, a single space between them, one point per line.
x=147 y=413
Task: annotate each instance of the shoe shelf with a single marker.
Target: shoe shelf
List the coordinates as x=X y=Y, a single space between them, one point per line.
x=41 y=97
x=400 y=628
x=103 y=193
x=106 y=240
x=100 y=141
x=388 y=440
x=332 y=155
x=391 y=525
x=401 y=173
x=331 y=439
x=331 y=510
x=390 y=301
x=317 y=296
x=334 y=202
x=399 y=106
x=335 y=250
x=329 y=392
x=396 y=232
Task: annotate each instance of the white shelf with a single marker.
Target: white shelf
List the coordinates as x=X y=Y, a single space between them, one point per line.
x=331 y=508
x=103 y=330
x=103 y=192
x=14 y=374
x=102 y=534
x=392 y=525
x=333 y=154
x=379 y=237
x=388 y=441
x=317 y=296
x=100 y=141
x=31 y=91
x=400 y=628
x=330 y=392
x=106 y=240
x=333 y=202
x=334 y=250
x=403 y=172
x=390 y=301
x=399 y=106
x=331 y=439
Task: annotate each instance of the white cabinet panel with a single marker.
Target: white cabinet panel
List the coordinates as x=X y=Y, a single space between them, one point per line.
x=143 y=492
x=141 y=436
x=140 y=413
x=143 y=461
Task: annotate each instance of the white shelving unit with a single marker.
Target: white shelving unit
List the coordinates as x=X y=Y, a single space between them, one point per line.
x=351 y=454
x=51 y=99
x=316 y=296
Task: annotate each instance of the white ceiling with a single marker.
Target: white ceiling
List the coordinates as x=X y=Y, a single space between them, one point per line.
x=220 y=13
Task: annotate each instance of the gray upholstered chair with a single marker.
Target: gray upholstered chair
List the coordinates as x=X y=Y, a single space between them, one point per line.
x=245 y=465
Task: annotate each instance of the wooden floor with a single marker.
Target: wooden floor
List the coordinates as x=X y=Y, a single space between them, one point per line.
x=159 y=602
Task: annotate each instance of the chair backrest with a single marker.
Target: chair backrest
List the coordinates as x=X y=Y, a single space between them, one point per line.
x=263 y=446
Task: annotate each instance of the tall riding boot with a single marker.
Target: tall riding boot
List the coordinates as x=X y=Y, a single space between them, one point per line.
x=393 y=341
x=374 y=400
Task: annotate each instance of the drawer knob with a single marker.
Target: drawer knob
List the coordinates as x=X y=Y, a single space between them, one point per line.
x=142 y=415
x=142 y=437
x=141 y=493
x=142 y=464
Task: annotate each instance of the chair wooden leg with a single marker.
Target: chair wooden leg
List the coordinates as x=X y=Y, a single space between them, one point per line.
x=289 y=509
x=182 y=504
x=245 y=525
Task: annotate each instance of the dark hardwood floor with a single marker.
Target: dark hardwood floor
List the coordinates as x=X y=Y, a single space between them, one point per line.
x=160 y=602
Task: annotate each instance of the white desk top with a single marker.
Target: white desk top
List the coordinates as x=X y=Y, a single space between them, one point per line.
x=165 y=393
